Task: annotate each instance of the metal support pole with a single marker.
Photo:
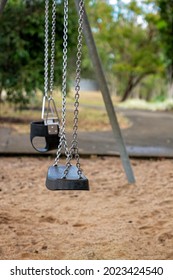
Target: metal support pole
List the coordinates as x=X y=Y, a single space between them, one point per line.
x=2 y=5
x=106 y=96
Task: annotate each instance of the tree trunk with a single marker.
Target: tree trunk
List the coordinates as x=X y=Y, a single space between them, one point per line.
x=170 y=90
x=128 y=89
x=170 y=79
x=132 y=83
x=2 y=5
x=0 y=95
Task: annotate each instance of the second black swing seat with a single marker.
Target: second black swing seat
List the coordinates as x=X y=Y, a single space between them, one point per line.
x=50 y=132
x=55 y=179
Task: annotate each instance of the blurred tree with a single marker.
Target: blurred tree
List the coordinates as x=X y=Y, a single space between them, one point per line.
x=165 y=26
x=129 y=49
x=22 y=48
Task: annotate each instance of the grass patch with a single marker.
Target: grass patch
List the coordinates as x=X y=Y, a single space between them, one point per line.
x=165 y=105
x=92 y=113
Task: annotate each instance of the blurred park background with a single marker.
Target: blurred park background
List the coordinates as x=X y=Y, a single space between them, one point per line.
x=135 y=43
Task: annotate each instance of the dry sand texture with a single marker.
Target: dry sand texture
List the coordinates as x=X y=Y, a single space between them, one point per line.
x=113 y=220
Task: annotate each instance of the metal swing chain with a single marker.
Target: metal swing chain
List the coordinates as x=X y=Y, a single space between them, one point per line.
x=74 y=150
x=46 y=50
x=49 y=81
x=64 y=87
x=52 y=61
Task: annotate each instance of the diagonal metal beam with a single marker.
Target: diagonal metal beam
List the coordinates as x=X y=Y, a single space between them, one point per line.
x=106 y=96
x=2 y=5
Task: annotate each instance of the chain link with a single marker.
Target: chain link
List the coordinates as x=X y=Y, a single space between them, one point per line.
x=63 y=140
x=46 y=49
x=74 y=150
x=49 y=81
x=52 y=61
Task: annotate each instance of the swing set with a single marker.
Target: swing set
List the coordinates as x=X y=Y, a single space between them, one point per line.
x=51 y=127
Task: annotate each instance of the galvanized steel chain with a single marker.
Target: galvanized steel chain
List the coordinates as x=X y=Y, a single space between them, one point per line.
x=63 y=140
x=52 y=61
x=49 y=78
x=46 y=50
x=74 y=149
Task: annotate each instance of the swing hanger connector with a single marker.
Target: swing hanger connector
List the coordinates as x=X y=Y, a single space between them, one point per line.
x=50 y=115
x=47 y=128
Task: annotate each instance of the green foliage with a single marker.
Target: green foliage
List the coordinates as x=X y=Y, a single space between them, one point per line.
x=132 y=51
x=129 y=49
x=22 y=48
x=165 y=26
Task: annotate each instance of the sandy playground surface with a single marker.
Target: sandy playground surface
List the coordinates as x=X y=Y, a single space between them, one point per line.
x=113 y=220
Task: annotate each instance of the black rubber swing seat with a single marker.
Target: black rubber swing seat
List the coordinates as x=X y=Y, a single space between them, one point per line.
x=55 y=180
x=48 y=132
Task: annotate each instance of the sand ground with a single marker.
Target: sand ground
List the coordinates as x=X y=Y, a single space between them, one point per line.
x=114 y=220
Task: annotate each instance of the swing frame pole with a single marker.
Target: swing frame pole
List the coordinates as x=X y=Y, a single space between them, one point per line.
x=97 y=65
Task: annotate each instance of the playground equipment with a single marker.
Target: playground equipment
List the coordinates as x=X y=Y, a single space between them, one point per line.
x=48 y=128
x=69 y=176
